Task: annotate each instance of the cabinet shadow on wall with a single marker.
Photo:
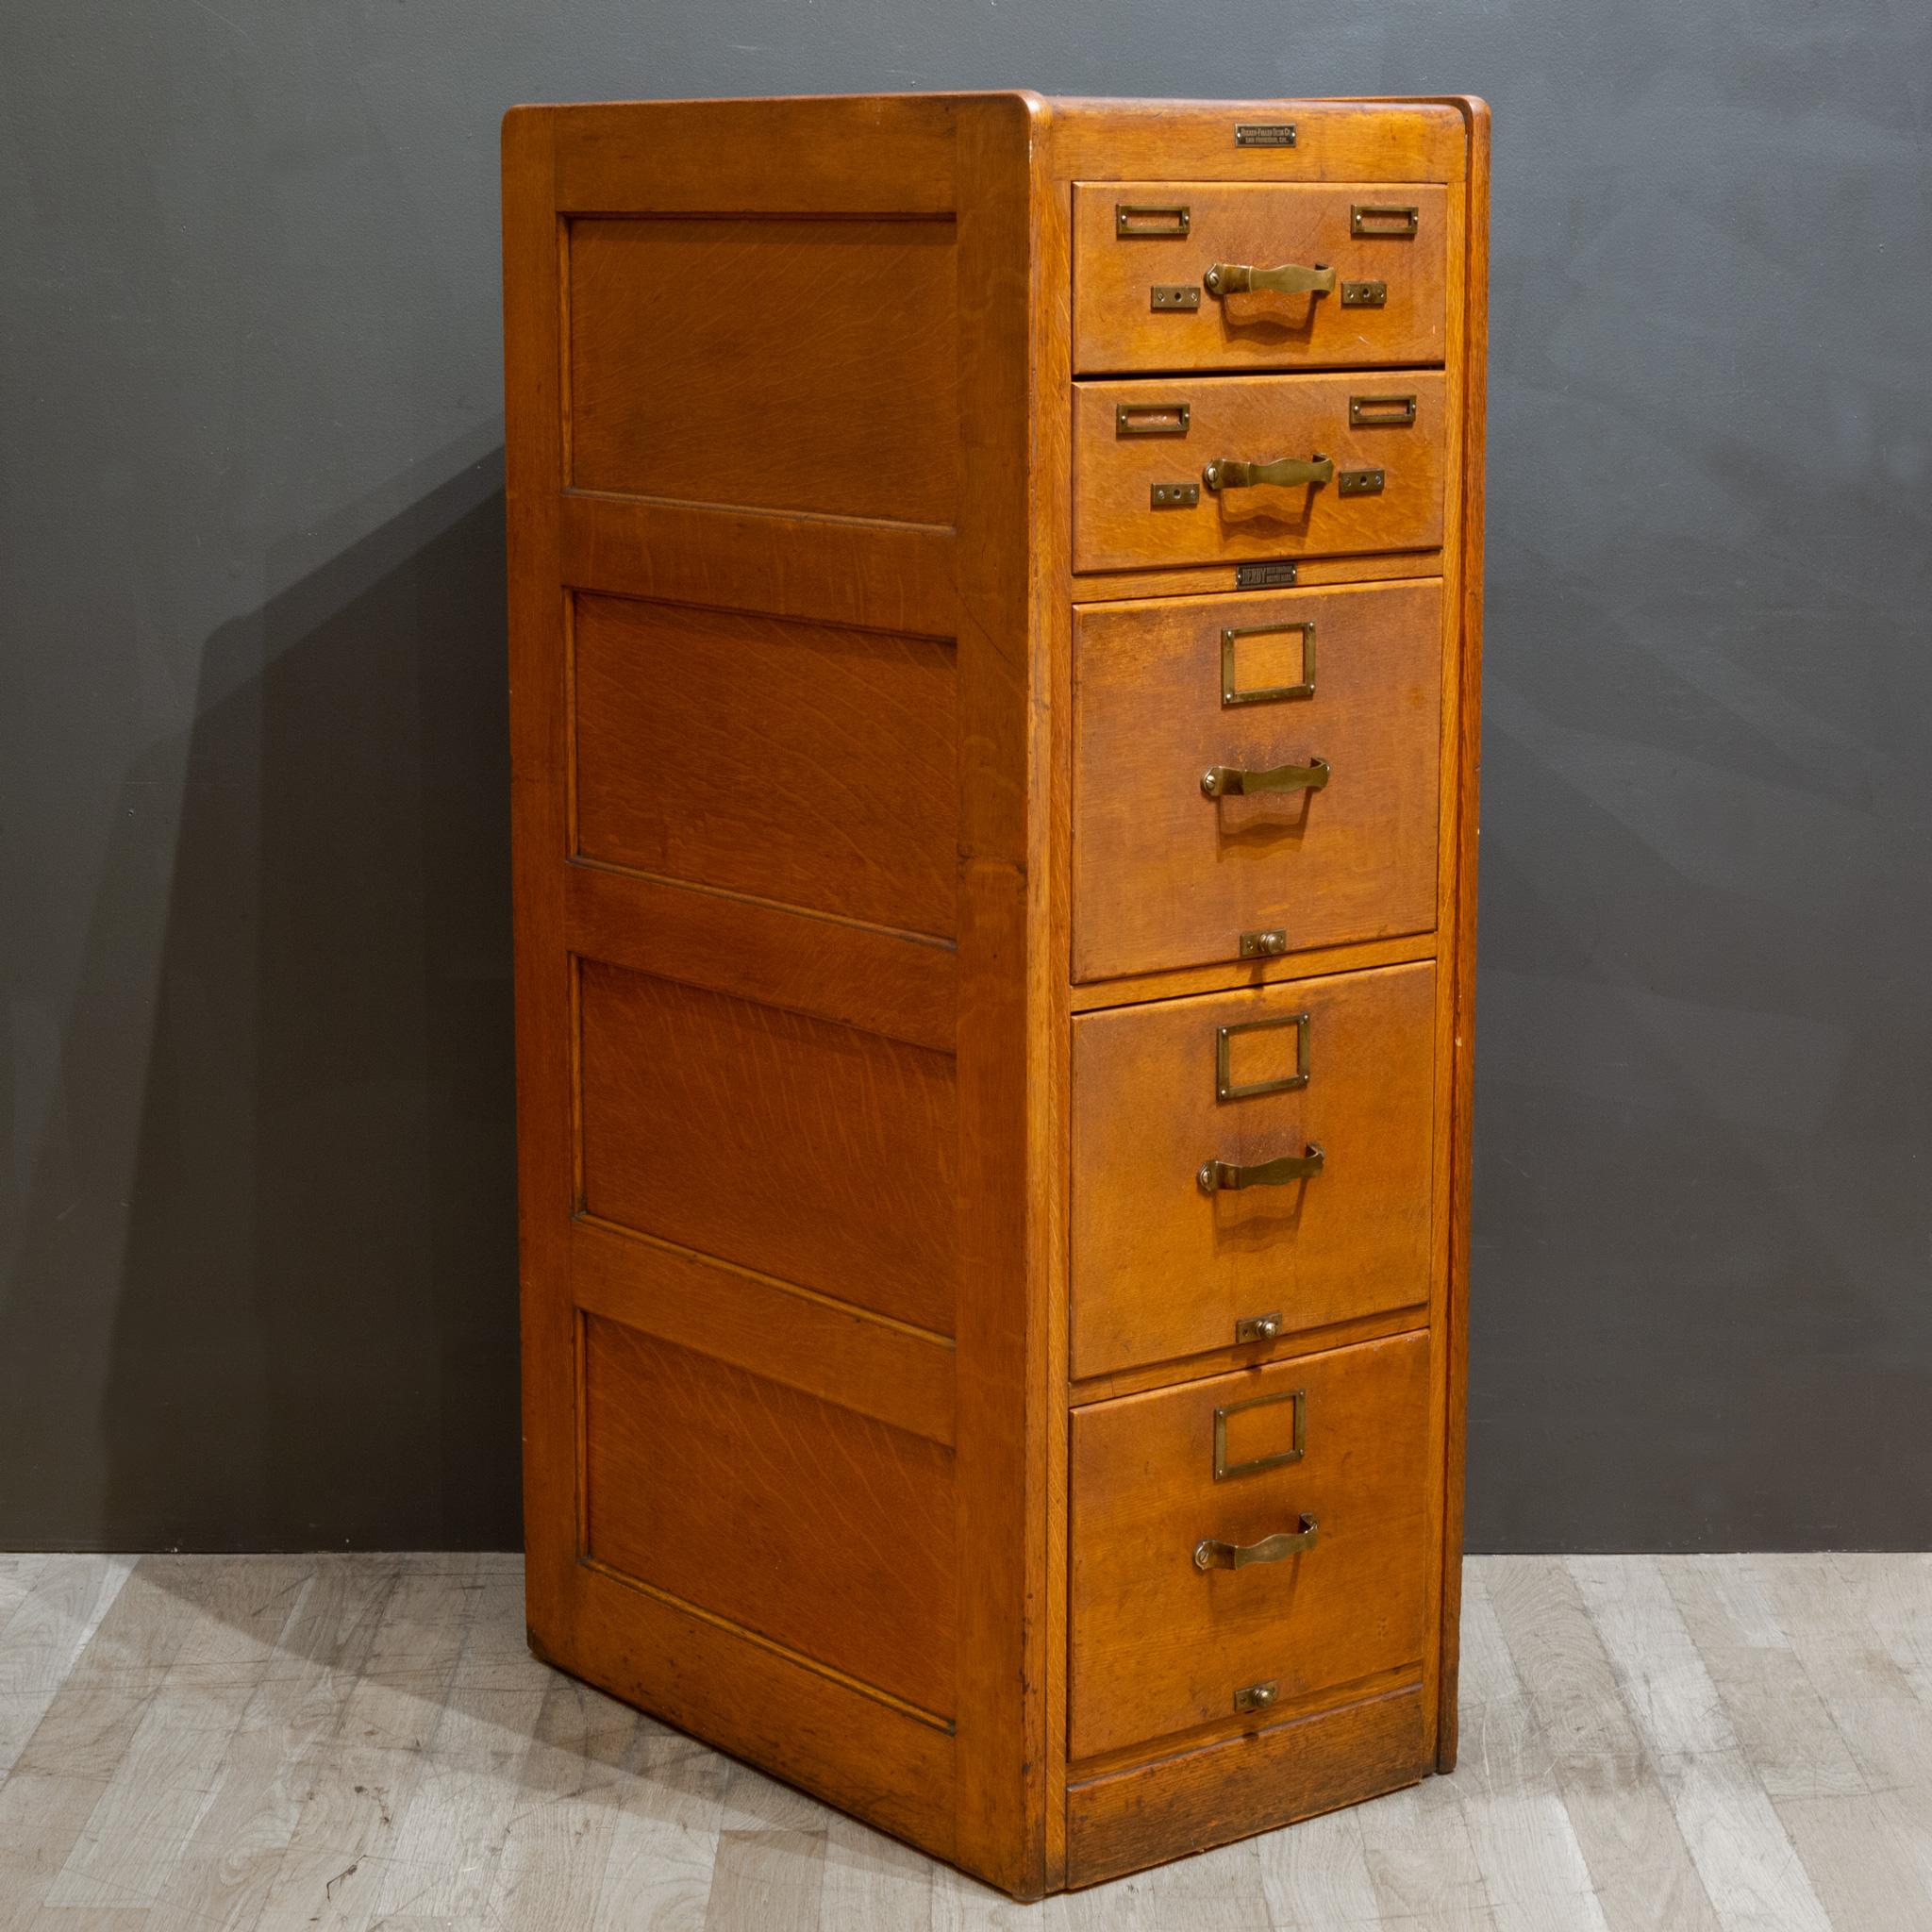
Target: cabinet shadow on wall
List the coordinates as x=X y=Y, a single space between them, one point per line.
x=315 y=1341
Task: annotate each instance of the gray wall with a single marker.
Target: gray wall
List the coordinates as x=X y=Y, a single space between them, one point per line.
x=259 y=1282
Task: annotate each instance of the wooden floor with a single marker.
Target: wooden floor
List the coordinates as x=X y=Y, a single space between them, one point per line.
x=353 y=1741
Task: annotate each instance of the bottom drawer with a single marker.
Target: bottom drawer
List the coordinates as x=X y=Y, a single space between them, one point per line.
x=1263 y=1528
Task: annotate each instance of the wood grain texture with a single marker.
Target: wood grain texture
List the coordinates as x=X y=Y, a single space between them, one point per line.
x=812 y=765
x=1160 y=1645
x=808 y=1150
x=825 y=1530
x=829 y=1349
x=1352 y=1241
x=742 y=362
x=863 y=977
x=1128 y=1819
x=1253 y=419
x=1167 y=878
x=1117 y=329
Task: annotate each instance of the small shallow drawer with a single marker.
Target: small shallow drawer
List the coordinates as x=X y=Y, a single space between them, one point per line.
x=1248 y=1540
x=1191 y=470
x=1250 y=1163
x=1250 y=766
x=1265 y=274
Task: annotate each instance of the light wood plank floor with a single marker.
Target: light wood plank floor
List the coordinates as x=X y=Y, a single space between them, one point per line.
x=353 y=1741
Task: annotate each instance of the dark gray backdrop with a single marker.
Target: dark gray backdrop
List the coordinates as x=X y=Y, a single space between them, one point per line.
x=259 y=1285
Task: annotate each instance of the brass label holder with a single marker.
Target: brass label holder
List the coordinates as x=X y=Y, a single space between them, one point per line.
x=1374 y=411
x=1231 y=692
x=1383 y=218
x=1151 y=419
x=1132 y=221
x=1224 y=1087
x=1226 y=1471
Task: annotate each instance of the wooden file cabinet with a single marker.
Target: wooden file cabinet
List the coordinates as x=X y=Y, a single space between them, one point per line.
x=995 y=591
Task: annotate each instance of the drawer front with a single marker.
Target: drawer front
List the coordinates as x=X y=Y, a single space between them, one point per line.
x=1161 y=1643
x=1170 y=869
x=1270 y=275
x=1137 y=443
x=1164 y=1267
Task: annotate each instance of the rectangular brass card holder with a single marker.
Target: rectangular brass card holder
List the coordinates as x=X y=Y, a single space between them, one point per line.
x=1373 y=410
x=1151 y=419
x=1231 y=692
x=1382 y=218
x=1133 y=220
x=1226 y=1471
x=1224 y=1088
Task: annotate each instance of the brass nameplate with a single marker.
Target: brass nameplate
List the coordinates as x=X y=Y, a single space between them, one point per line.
x=1265 y=576
x=1264 y=134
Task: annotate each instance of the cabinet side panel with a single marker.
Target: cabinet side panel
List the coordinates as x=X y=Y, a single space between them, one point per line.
x=764 y=694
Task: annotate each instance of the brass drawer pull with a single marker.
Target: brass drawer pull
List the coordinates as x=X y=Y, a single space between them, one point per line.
x=1227 y=781
x=1224 y=473
x=1224 y=1176
x=1210 y=1554
x=1291 y=278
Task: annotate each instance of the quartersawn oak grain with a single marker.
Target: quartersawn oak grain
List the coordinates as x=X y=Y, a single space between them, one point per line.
x=1116 y=328
x=1165 y=877
x=805 y=455
x=1352 y=1241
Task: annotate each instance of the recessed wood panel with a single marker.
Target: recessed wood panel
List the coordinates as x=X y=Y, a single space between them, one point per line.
x=1162 y=1270
x=1117 y=325
x=776 y=364
x=798 y=1147
x=1160 y=1644
x=1165 y=875
x=807 y=763
x=826 y=1531
x=1255 y=419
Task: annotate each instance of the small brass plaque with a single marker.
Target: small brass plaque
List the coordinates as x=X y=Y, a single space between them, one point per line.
x=1224 y=1470
x=1175 y=295
x=1359 y=483
x=1364 y=294
x=1265 y=576
x=1264 y=134
x=1174 y=496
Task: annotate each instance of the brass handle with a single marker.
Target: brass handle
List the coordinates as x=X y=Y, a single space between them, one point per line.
x=1218 y=1176
x=1210 y=1554
x=1228 y=781
x=1224 y=473
x=1291 y=278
